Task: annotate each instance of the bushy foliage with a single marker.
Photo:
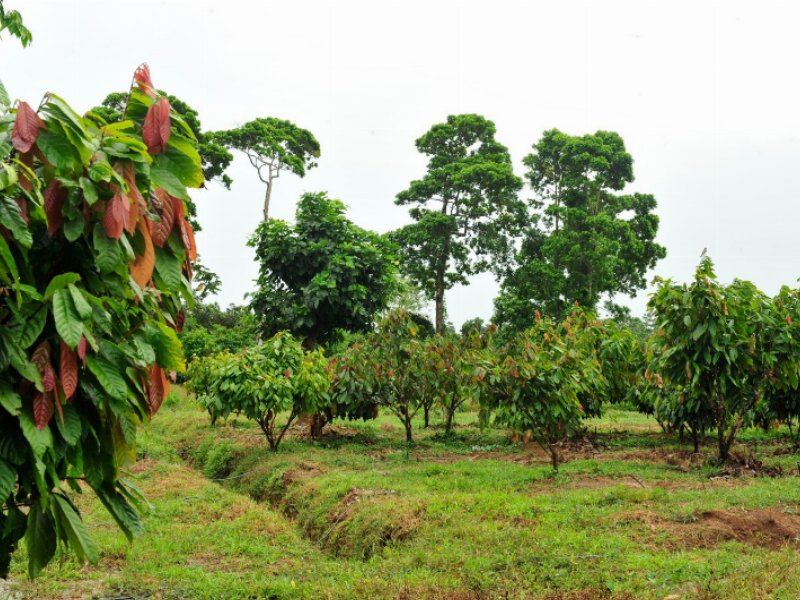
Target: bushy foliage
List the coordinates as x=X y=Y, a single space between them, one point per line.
x=262 y=382
x=725 y=348
x=209 y=330
x=95 y=262
x=321 y=274
x=539 y=379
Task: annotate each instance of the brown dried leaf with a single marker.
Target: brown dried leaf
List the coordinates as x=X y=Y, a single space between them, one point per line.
x=142 y=267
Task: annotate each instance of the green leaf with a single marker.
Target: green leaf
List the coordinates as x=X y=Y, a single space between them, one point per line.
x=119 y=508
x=7 y=263
x=162 y=176
x=108 y=253
x=10 y=400
x=73 y=227
x=75 y=529
x=4 y=101
x=109 y=376
x=11 y=218
x=169 y=268
x=59 y=282
x=40 y=539
x=68 y=322
x=89 y=190
x=167 y=346
x=59 y=150
x=71 y=428
x=81 y=305
x=8 y=479
x=40 y=440
x=29 y=328
x=8 y=176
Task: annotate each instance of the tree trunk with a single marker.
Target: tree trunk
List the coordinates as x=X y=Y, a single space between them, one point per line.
x=267 y=197
x=696 y=440
x=409 y=432
x=427 y=412
x=553 y=456
x=449 y=418
x=723 y=445
x=439 y=300
x=316 y=423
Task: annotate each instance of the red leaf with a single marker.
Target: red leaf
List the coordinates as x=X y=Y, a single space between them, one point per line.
x=54 y=196
x=138 y=206
x=142 y=78
x=42 y=408
x=49 y=378
x=26 y=128
x=117 y=215
x=788 y=319
x=157 y=128
x=23 y=209
x=180 y=319
x=82 y=350
x=158 y=389
x=187 y=234
x=68 y=369
x=160 y=230
x=41 y=357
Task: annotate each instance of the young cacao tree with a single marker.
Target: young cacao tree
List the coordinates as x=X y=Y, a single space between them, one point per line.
x=724 y=347
x=538 y=385
x=263 y=382
x=95 y=255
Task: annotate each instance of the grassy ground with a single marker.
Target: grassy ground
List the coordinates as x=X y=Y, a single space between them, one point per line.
x=631 y=514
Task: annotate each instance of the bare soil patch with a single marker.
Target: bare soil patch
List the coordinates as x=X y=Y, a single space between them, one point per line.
x=771 y=528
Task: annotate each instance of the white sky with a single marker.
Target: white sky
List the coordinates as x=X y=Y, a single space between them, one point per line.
x=705 y=95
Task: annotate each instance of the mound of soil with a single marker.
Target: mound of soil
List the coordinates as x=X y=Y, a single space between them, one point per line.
x=771 y=528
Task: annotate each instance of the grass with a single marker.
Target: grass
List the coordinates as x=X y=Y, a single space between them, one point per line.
x=360 y=515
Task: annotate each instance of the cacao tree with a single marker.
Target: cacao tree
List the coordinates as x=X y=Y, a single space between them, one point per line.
x=262 y=383
x=725 y=347
x=538 y=381
x=95 y=258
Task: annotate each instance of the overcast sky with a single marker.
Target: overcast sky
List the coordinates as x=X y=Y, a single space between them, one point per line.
x=706 y=97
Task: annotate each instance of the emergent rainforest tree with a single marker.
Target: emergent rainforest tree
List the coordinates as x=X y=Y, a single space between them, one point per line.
x=95 y=255
x=272 y=146
x=465 y=208
x=584 y=240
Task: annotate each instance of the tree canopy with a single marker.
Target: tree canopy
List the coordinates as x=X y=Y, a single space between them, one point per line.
x=272 y=146
x=321 y=274
x=465 y=208
x=584 y=239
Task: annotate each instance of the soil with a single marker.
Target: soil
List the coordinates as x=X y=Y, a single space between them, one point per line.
x=771 y=528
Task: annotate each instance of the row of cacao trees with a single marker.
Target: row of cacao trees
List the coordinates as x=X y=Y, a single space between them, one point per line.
x=720 y=358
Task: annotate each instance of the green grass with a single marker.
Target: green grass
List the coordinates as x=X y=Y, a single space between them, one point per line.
x=361 y=515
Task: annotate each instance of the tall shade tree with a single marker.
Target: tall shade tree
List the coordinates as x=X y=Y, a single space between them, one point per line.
x=585 y=239
x=465 y=208
x=321 y=274
x=272 y=146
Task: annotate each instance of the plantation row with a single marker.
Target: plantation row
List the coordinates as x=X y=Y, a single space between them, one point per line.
x=720 y=358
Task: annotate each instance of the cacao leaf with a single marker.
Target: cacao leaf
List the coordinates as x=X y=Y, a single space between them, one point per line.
x=68 y=369
x=157 y=126
x=142 y=267
x=49 y=378
x=160 y=230
x=54 y=196
x=81 y=349
x=68 y=322
x=26 y=128
x=42 y=409
x=158 y=389
x=142 y=78
x=117 y=215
